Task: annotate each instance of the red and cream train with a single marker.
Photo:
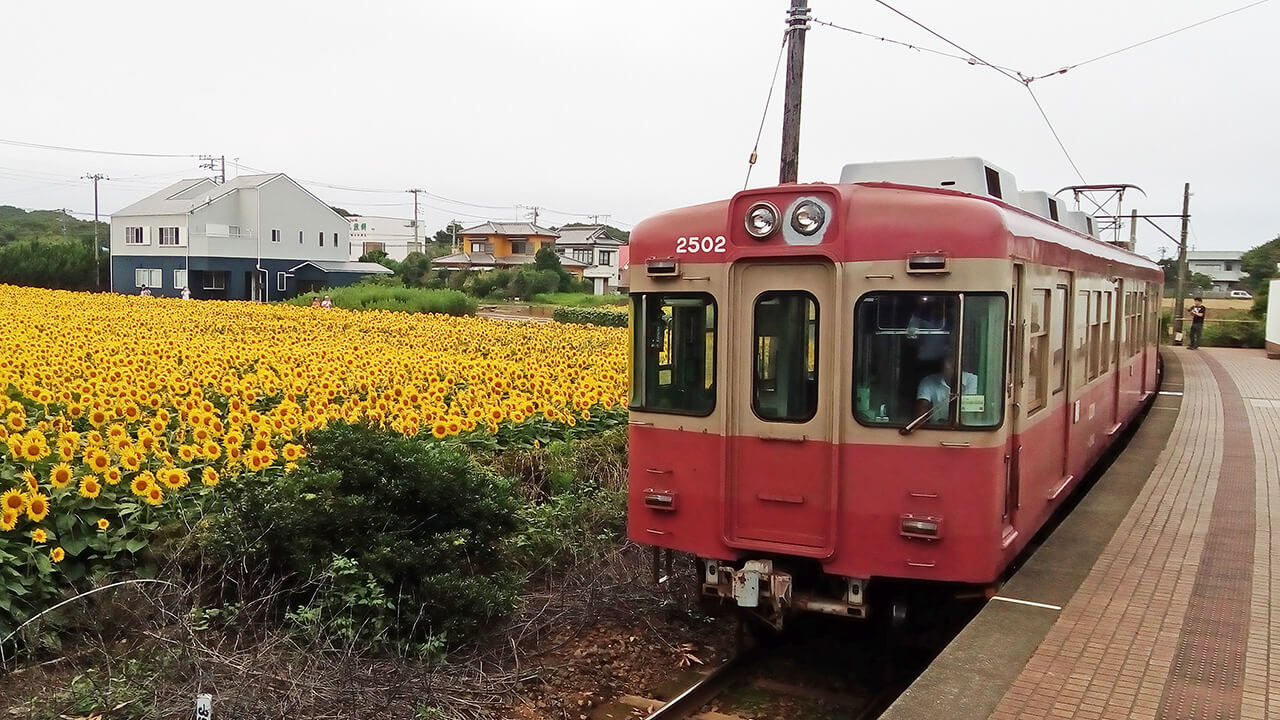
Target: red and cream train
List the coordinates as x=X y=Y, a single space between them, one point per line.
x=896 y=379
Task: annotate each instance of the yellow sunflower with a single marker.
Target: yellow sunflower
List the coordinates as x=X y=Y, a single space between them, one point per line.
x=40 y=536
x=60 y=476
x=154 y=495
x=37 y=507
x=209 y=477
x=103 y=524
x=13 y=501
x=90 y=487
x=8 y=520
x=58 y=554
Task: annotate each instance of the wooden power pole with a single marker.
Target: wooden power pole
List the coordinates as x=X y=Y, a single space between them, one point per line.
x=797 y=24
x=1182 y=264
x=417 y=245
x=97 y=260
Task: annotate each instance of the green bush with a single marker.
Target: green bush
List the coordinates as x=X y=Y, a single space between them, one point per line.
x=582 y=299
x=1249 y=334
x=382 y=539
x=402 y=299
x=590 y=316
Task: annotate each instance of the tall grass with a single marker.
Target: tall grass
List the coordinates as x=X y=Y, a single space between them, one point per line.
x=401 y=299
x=580 y=299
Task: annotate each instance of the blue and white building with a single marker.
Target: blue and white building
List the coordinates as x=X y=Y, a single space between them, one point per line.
x=255 y=237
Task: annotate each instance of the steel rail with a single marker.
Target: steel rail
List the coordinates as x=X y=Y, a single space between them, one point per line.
x=688 y=703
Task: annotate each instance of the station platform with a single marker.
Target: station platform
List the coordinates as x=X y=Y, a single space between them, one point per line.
x=1153 y=597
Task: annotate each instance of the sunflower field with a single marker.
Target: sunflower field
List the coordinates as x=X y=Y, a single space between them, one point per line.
x=119 y=414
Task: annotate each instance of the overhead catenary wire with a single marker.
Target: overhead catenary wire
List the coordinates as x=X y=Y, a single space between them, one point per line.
x=1161 y=36
x=910 y=46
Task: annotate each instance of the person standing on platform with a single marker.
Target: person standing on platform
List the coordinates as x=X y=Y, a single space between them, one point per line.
x=1197 y=322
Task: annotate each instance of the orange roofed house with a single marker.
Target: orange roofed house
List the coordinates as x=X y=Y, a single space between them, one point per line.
x=493 y=244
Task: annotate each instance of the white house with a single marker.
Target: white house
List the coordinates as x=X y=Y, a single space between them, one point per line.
x=1221 y=265
x=393 y=236
x=593 y=245
x=255 y=237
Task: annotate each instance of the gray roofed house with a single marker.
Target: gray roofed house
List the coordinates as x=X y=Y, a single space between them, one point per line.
x=239 y=240
x=593 y=246
x=1224 y=266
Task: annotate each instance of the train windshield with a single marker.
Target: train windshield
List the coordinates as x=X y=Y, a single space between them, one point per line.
x=673 y=353
x=940 y=354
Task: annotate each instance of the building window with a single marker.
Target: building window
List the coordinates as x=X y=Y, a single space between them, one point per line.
x=179 y=279
x=480 y=246
x=299 y=237
x=233 y=230
x=606 y=257
x=519 y=246
x=215 y=280
x=169 y=236
x=275 y=236
x=148 y=278
x=370 y=247
x=321 y=238
x=582 y=255
x=335 y=239
x=134 y=236
x=282 y=280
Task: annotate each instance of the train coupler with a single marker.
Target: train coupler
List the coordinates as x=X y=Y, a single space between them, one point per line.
x=755 y=584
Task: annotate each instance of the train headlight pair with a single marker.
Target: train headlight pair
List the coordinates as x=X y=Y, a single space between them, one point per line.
x=763 y=218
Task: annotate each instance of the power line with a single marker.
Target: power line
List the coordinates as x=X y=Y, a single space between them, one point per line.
x=63 y=148
x=1056 y=137
x=1019 y=78
x=1144 y=42
x=965 y=58
x=773 y=82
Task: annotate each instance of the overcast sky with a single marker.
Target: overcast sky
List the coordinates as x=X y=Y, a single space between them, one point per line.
x=628 y=109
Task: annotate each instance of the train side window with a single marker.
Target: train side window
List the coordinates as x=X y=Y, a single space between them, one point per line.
x=1038 y=350
x=1107 y=329
x=945 y=350
x=1058 y=338
x=673 y=353
x=784 y=380
x=982 y=360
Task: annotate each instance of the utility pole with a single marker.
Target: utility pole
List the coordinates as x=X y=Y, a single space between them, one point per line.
x=219 y=163
x=97 y=261
x=417 y=245
x=797 y=24
x=1182 y=263
x=533 y=210
x=1133 y=230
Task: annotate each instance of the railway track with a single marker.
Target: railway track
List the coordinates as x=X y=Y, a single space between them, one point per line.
x=820 y=673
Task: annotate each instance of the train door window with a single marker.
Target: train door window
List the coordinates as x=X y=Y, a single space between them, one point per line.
x=784 y=382
x=1037 y=350
x=1080 y=331
x=1095 y=335
x=674 y=350
x=982 y=360
x=1108 y=328
x=1058 y=333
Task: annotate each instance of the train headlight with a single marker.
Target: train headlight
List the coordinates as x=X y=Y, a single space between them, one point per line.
x=808 y=217
x=762 y=220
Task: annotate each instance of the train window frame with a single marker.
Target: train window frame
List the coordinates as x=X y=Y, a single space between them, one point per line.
x=955 y=422
x=640 y=400
x=1038 y=331
x=1060 y=327
x=812 y=325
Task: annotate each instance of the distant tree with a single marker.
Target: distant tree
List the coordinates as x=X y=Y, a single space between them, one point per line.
x=546 y=259
x=448 y=234
x=1260 y=264
x=342 y=211
x=415 y=269
x=1200 y=281
x=49 y=248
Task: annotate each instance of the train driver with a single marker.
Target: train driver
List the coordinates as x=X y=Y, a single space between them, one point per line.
x=935 y=389
x=930 y=330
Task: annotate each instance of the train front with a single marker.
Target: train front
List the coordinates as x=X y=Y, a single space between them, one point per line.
x=818 y=393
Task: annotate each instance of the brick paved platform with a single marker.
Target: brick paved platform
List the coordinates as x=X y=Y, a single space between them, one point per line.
x=1165 y=607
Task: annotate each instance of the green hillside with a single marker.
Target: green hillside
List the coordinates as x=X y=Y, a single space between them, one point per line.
x=49 y=248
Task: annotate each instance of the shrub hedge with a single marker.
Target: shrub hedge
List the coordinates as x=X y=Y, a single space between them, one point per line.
x=590 y=316
x=369 y=296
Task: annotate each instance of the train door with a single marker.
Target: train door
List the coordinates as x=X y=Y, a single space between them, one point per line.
x=781 y=469
x=1017 y=366
x=1117 y=311
x=1060 y=361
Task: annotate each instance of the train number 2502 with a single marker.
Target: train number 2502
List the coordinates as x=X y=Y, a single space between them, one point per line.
x=704 y=244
